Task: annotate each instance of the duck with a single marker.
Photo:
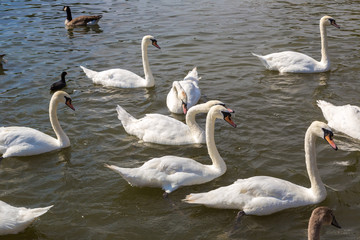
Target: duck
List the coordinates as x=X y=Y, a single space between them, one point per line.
x=188 y=89
x=59 y=84
x=264 y=195
x=172 y=172
x=15 y=219
x=161 y=129
x=81 y=20
x=320 y=216
x=24 y=141
x=123 y=78
x=294 y=62
x=345 y=118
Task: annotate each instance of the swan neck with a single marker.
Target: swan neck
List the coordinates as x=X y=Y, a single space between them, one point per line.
x=217 y=160
x=314 y=230
x=194 y=127
x=147 y=71
x=324 y=45
x=60 y=134
x=317 y=186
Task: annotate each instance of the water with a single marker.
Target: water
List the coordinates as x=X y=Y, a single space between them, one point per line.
x=272 y=112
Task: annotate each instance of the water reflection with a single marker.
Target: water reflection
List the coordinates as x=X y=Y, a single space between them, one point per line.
x=79 y=30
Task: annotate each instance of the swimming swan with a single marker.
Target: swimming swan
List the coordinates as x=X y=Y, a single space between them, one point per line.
x=123 y=78
x=320 y=216
x=161 y=129
x=172 y=172
x=190 y=86
x=16 y=219
x=262 y=195
x=345 y=119
x=81 y=20
x=295 y=62
x=25 y=141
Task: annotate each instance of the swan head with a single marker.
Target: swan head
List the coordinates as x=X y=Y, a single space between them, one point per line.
x=148 y=39
x=322 y=130
x=63 y=97
x=328 y=21
x=221 y=112
x=323 y=216
x=181 y=95
x=212 y=103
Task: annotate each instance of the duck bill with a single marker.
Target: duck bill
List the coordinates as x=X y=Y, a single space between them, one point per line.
x=230 y=121
x=335 y=223
x=331 y=142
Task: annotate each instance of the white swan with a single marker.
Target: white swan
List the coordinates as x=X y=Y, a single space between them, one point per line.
x=171 y=172
x=161 y=129
x=320 y=216
x=123 y=78
x=262 y=195
x=24 y=141
x=295 y=62
x=175 y=98
x=345 y=119
x=16 y=219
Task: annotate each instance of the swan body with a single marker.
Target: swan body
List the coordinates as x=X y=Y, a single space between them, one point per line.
x=345 y=119
x=187 y=89
x=59 y=84
x=320 y=216
x=81 y=20
x=123 y=78
x=172 y=172
x=25 y=141
x=263 y=195
x=16 y=219
x=161 y=129
x=294 y=62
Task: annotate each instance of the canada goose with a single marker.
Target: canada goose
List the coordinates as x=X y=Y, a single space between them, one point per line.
x=80 y=21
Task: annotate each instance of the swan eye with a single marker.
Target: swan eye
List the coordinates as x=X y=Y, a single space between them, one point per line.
x=328 y=133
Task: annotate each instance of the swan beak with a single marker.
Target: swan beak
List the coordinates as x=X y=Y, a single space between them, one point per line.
x=68 y=103
x=331 y=142
x=230 y=110
x=184 y=107
x=154 y=43
x=335 y=25
x=229 y=120
x=335 y=223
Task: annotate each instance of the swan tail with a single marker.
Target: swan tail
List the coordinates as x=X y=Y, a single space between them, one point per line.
x=193 y=75
x=195 y=198
x=31 y=214
x=89 y=73
x=126 y=173
x=124 y=116
x=262 y=60
x=323 y=104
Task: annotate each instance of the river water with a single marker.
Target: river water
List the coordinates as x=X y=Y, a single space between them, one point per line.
x=273 y=112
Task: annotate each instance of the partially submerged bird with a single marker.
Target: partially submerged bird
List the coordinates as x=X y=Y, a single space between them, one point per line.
x=81 y=20
x=59 y=84
x=320 y=216
x=16 y=219
x=295 y=62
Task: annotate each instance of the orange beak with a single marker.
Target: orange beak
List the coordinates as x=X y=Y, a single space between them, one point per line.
x=331 y=142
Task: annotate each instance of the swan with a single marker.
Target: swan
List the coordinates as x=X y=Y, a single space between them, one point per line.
x=172 y=172
x=25 y=141
x=190 y=85
x=80 y=21
x=123 y=78
x=295 y=62
x=345 y=119
x=263 y=195
x=320 y=216
x=16 y=219
x=59 y=84
x=161 y=129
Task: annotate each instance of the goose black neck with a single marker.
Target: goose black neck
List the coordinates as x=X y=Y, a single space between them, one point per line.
x=68 y=14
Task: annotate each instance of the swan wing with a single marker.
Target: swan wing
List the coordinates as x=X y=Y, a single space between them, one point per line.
x=344 y=118
x=289 y=61
x=258 y=195
x=24 y=141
